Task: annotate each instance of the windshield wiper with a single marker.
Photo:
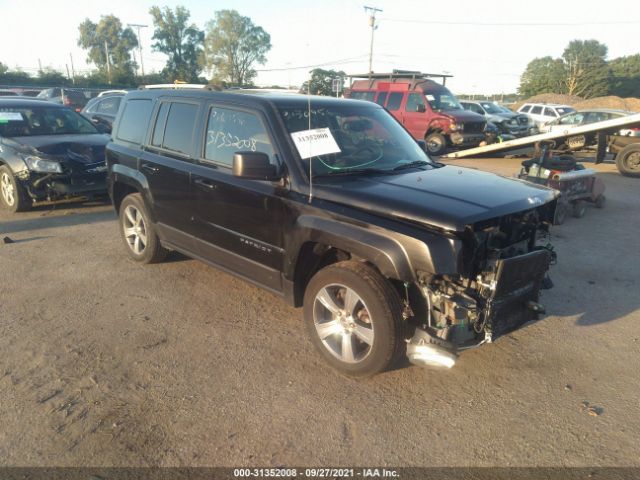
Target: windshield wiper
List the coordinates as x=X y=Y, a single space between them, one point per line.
x=417 y=163
x=353 y=171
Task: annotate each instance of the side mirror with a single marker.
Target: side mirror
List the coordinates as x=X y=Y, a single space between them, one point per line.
x=253 y=166
x=421 y=108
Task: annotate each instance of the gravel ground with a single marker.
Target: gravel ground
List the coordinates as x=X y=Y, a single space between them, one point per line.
x=108 y=363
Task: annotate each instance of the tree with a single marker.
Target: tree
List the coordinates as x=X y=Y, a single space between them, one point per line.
x=543 y=75
x=119 y=43
x=49 y=76
x=233 y=45
x=586 y=72
x=180 y=41
x=322 y=82
x=625 y=76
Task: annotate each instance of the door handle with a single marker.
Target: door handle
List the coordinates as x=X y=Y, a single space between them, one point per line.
x=201 y=182
x=149 y=168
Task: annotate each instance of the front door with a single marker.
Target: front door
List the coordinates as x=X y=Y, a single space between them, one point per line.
x=239 y=221
x=414 y=115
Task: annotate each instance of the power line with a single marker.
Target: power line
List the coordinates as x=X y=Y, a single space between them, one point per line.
x=512 y=24
x=334 y=62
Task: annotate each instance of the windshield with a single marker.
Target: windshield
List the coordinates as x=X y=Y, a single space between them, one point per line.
x=441 y=99
x=564 y=110
x=491 y=108
x=368 y=138
x=31 y=121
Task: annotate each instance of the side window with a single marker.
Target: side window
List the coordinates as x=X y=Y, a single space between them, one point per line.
x=536 y=110
x=134 y=121
x=413 y=100
x=178 y=131
x=161 y=121
x=109 y=105
x=369 y=96
x=382 y=96
x=549 y=112
x=230 y=131
x=395 y=99
x=476 y=108
x=525 y=109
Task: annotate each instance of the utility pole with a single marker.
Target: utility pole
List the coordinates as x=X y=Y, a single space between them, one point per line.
x=106 y=52
x=372 y=23
x=73 y=72
x=39 y=65
x=138 y=27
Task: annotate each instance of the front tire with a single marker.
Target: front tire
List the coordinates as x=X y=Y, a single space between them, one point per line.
x=12 y=195
x=138 y=231
x=436 y=143
x=353 y=317
x=628 y=160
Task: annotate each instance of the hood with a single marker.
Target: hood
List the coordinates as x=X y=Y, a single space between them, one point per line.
x=448 y=197
x=500 y=117
x=464 y=116
x=84 y=148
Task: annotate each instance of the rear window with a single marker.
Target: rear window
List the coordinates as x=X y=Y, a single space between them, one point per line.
x=395 y=99
x=109 y=105
x=134 y=121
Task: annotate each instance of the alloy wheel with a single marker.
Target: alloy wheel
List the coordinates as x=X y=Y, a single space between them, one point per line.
x=343 y=323
x=7 y=189
x=135 y=229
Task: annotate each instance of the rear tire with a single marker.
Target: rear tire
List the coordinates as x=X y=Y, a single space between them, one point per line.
x=561 y=214
x=579 y=208
x=353 y=317
x=436 y=143
x=13 y=197
x=600 y=201
x=138 y=231
x=628 y=160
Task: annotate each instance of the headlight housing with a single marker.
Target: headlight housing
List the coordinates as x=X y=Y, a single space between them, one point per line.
x=456 y=126
x=41 y=165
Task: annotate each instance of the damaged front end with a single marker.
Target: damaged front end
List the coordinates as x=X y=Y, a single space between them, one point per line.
x=503 y=268
x=69 y=175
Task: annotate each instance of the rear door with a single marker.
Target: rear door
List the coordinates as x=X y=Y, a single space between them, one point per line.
x=166 y=164
x=239 y=221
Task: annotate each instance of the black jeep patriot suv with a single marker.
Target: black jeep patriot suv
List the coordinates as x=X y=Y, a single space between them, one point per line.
x=332 y=205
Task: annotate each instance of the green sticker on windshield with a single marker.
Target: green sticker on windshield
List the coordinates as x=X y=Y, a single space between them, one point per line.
x=7 y=116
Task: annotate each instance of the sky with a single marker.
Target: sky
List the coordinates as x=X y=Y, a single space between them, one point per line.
x=485 y=45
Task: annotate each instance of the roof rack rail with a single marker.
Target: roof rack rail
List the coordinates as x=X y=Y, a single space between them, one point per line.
x=395 y=74
x=176 y=86
x=106 y=93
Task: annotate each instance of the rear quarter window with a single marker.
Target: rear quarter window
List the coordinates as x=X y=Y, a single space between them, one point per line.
x=134 y=121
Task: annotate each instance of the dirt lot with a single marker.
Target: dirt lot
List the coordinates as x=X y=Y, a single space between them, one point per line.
x=105 y=362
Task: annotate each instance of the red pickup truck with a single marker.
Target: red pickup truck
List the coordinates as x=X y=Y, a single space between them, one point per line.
x=427 y=109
